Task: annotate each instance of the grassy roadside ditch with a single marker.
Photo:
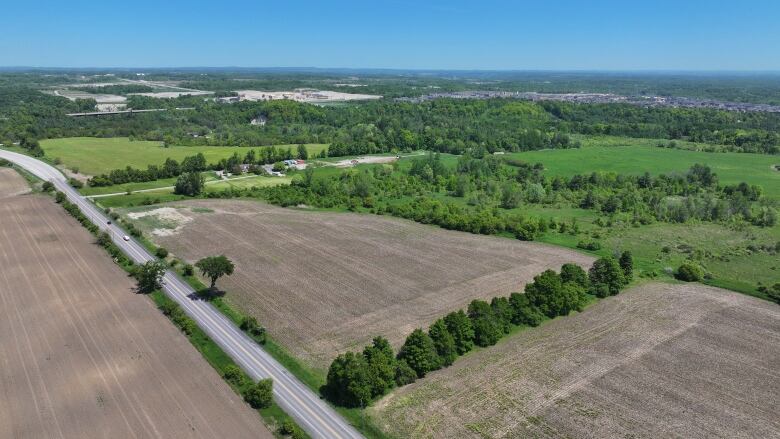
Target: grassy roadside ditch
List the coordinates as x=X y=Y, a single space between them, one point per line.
x=278 y=422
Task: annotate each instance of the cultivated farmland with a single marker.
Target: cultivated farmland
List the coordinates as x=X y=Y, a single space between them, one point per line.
x=326 y=282
x=660 y=360
x=11 y=184
x=81 y=354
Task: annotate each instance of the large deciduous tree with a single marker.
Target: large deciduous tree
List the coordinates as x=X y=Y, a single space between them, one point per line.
x=443 y=341
x=419 y=352
x=349 y=382
x=260 y=395
x=214 y=267
x=149 y=276
x=460 y=327
x=189 y=183
x=606 y=272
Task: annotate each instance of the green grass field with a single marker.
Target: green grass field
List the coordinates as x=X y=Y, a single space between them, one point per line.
x=246 y=183
x=166 y=194
x=94 y=156
x=132 y=187
x=636 y=156
x=211 y=184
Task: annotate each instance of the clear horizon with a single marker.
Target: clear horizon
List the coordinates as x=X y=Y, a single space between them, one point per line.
x=497 y=35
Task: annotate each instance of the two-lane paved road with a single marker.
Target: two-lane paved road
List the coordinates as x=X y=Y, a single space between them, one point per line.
x=311 y=413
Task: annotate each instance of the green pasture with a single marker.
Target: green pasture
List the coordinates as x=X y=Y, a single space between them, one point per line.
x=93 y=156
x=636 y=156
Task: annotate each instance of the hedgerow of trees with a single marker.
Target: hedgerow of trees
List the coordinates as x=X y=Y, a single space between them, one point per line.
x=355 y=379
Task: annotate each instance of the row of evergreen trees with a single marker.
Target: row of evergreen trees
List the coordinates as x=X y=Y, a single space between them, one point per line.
x=355 y=379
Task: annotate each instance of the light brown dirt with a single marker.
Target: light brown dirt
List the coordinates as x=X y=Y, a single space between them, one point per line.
x=659 y=360
x=11 y=183
x=81 y=355
x=325 y=282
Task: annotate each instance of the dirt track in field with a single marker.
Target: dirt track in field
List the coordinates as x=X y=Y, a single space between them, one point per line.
x=659 y=360
x=81 y=355
x=326 y=282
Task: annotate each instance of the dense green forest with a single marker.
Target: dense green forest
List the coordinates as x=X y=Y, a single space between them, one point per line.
x=479 y=192
x=444 y=125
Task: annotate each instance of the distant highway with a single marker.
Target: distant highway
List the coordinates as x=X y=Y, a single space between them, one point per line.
x=312 y=414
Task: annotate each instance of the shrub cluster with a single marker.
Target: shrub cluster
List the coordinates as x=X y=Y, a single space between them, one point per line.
x=355 y=379
x=251 y=327
x=689 y=272
x=288 y=428
x=178 y=317
x=772 y=291
x=75 y=212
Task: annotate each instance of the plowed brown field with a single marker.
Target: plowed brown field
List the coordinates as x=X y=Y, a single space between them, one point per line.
x=81 y=355
x=11 y=183
x=326 y=282
x=659 y=360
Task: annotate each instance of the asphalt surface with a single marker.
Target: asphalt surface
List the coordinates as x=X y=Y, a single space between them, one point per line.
x=310 y=412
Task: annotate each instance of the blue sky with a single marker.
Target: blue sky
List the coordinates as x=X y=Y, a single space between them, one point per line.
x=406 y=34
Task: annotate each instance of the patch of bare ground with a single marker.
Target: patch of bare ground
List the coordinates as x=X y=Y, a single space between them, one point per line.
x=659 y=360
x=81 y=355
x=326 y=282
x=11 y=183
x=70 y=174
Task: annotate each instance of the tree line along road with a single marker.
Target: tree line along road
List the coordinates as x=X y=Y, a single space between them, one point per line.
x=313 y=414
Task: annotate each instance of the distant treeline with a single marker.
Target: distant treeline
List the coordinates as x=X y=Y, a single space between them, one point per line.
x=741 y=132
x=443 y=125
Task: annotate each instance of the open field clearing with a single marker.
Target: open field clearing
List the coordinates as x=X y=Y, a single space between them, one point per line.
x=736 y=258
x=94 y=156
x=84 y=356
x=246 y=182
x=326 y=282
x=165 y=185
x=635 y=156
x=99 y=98
x=171 y=94
x=303 y=95
x=659 y=360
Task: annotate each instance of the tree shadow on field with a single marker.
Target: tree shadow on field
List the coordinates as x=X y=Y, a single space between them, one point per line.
x=207 y=294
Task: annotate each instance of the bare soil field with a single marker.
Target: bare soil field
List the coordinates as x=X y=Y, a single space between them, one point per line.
x=303 y=95
x=324 y=282
x=81 y=355
x=659 y=360
x=11 y=184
